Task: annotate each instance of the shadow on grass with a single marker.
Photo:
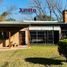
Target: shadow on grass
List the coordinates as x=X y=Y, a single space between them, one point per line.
x=44 y=61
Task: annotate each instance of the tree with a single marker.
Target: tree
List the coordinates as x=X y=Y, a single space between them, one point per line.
x=44 y=18
x=3 y=16
x=7 y=13
x=37 y=5
x=10 y=19
x=53 y=6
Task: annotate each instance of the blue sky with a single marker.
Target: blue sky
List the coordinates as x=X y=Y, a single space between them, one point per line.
x=6 y=4
x=17 y=3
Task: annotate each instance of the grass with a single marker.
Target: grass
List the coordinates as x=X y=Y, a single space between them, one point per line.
x=36 y=56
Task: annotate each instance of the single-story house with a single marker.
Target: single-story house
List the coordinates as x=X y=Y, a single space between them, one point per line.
x=15 y=33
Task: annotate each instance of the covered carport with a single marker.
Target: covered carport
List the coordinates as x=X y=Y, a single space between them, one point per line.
x=8 y=32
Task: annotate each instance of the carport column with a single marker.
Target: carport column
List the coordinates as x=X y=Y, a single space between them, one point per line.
x=60 y=35
x=28 y=37
x=9 y=39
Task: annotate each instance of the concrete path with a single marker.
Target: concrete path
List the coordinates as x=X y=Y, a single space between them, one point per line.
x=12 y=48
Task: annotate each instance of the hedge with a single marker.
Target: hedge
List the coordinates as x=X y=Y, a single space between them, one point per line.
x=62 y=47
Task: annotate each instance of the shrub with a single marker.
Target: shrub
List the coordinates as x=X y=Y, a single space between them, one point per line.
x=62 y=47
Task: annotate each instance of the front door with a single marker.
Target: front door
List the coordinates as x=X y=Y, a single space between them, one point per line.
x=22 y=38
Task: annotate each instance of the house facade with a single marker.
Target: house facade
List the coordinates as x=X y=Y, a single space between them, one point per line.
x=32 y=32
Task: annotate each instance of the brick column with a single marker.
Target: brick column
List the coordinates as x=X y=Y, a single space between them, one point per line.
x=9 y=39
x=28 y=38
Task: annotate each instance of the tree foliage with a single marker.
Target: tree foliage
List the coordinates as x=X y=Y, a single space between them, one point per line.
x=8 y=12
x=3 y=16
x=62 y=48
x=44 y=18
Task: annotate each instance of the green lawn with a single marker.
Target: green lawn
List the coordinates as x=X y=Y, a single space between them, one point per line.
x=36 y=56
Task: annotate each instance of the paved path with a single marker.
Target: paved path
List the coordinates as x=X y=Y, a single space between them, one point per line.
x=12 y=48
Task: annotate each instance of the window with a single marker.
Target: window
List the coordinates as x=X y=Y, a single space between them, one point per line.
x=50 y=36
x=4 y=35
x=42 y=36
